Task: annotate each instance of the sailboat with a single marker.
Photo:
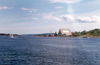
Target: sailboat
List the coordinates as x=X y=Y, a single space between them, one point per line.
x=11 y=36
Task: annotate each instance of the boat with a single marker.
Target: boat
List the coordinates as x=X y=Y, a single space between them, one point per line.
x=11 y=36
x=85 y=37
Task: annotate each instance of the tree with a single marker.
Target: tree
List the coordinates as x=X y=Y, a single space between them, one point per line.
x=95 y=33
x=84 y=32
x=55 y=34
x=76 y=34
x=98 y=32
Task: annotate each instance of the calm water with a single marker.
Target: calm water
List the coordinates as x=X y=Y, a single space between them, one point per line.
x=49 y=51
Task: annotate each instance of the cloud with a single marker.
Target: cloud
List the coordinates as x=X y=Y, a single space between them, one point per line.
x=57 y=19
x=58 y=7
x=50 y=16
x=81 y=19
x=92 y=19
x=68 y=18
x=35 y=18
x=64 y=1
x=30 y=10
x=5 y=7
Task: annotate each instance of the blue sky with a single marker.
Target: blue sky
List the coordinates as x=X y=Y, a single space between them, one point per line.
x=44 y=16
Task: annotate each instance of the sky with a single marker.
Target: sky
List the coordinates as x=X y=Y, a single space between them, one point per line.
x=46 y=16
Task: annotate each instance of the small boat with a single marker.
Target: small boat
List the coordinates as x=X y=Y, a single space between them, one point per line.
x=11 y=36
x=85 y=37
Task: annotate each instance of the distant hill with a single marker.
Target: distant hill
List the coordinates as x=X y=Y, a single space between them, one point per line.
x=38 y=34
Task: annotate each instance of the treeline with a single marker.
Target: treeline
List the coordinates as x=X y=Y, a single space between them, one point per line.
x=95 y=32
x=3 y=34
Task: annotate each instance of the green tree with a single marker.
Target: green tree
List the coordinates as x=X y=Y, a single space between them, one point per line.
x=76 y=34
x=55 y=34
x=95 y=33
x=84 y=32
x=98 y=32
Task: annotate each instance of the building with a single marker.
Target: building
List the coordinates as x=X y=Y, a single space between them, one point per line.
x=64 y=32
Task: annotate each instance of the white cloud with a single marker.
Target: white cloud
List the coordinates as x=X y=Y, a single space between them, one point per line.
x=81 y=19
x=84 y=19
x=49 y=16
x=5 y=7
x=92 y=19
x=68 y=18
x=30 y=10
x=57 y=19
x=35 y=18
x=58 y=7
x=64 y=1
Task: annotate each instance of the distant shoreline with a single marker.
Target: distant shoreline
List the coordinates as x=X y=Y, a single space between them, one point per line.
x=3 y=34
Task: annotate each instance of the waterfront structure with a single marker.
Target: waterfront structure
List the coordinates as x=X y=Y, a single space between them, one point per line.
x=64 y=32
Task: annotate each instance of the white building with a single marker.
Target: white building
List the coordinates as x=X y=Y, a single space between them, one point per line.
x=66 y=32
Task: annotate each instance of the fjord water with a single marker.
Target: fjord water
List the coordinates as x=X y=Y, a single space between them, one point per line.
x=49 y=51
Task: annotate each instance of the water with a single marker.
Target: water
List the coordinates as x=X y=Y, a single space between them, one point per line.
x=49 y=51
